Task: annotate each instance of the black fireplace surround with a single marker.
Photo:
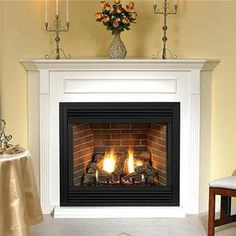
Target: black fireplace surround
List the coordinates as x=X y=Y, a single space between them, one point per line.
x=109 y=112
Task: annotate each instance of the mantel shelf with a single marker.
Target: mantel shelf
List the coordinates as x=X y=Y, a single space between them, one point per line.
x=120 y=64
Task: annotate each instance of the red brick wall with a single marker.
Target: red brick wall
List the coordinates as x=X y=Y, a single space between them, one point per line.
x=157 y=145
x=83 y=149
x=120 y=135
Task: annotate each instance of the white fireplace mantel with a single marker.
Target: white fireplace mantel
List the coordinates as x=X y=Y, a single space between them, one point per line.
x=132 y=80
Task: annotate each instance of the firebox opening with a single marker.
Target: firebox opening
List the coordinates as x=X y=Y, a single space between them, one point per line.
x=119 y=154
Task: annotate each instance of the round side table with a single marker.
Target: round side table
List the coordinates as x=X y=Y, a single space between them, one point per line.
x=19 y=200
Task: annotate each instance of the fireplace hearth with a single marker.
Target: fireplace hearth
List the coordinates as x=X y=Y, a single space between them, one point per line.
x=119 y=154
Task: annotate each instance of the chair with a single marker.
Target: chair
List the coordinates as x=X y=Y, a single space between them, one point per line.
x=226 y=188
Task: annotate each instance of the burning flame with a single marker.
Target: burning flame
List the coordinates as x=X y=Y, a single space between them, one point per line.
x=139 y=163
x=109 y=162
x=131 y=161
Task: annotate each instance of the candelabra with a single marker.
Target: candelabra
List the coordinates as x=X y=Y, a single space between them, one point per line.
x=165 y=11
x=57 y=29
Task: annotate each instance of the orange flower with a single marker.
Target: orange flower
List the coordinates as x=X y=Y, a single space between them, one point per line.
x=105 y=18
x=134 y=15
x=115 y=16
x=125 y=20
x=116 y=23
x=116 y=1
x=118 y=9
x=103 y=4
x=108 y=7
x=130 y=6
x=98 y=15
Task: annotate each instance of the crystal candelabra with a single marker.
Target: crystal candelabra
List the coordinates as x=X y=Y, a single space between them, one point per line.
x=165 y=11
x=57 y=29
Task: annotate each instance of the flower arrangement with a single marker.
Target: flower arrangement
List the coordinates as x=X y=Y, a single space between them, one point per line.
x=116 y=18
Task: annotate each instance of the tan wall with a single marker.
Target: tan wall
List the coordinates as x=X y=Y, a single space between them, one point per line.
x=0 y=54
x=202 y=29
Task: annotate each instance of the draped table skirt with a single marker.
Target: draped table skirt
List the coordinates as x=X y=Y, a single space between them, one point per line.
x=19 y=200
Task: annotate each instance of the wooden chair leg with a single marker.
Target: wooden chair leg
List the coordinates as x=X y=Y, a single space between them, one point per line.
x=225 y=207
x=211 y=212
x=225 y=212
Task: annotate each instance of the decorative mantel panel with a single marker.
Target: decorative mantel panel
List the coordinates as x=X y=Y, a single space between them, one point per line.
x=139 y=80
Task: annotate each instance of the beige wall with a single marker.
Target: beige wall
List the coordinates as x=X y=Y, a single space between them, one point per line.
x=0 y=53
x=202 y=29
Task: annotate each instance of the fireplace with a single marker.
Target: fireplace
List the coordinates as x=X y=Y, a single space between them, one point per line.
x=147 y=83
x=119 y=154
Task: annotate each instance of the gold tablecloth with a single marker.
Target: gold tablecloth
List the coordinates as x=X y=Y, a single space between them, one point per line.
x=19 y=201
x=234 y=172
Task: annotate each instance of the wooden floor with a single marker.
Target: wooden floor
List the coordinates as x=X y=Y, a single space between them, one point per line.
x=189 y=226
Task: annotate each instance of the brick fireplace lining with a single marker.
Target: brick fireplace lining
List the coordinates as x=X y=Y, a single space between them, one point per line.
x=88 y=138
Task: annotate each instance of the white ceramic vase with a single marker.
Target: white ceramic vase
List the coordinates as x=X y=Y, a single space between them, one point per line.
x=117 y=48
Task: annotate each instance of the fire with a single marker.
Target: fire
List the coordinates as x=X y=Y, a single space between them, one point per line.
x=131 y=161
x=109 y=162
x=139 y=163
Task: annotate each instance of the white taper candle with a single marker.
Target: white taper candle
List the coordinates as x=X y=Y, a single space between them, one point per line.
x=175 y=2
x=46 y=11
x=67 y=11
x=57 y=7
x=154 y=2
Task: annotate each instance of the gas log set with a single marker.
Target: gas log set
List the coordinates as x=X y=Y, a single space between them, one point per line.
x=123 y=167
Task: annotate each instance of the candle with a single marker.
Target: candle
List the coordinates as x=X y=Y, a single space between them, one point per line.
x=57 y=7
x=142 y=179
x=46 y=11
x=96 y=175
x=175 y=2
x=154 y=2
x=67 y=11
